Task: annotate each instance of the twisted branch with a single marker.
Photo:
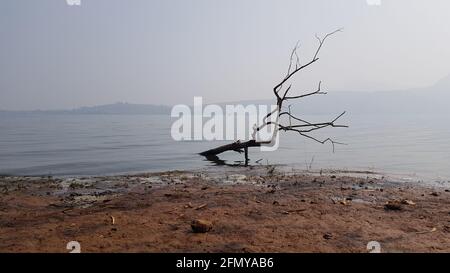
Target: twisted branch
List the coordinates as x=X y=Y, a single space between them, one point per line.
x=302 y=126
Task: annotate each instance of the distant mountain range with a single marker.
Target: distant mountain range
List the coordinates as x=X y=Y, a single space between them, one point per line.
x=119 y=108
x=430 y=100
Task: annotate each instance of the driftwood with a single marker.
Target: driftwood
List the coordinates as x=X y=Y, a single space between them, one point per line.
x=296 y=124
x=235 y=146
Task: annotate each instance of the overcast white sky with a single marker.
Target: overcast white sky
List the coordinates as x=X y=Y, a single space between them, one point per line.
x=164 y=52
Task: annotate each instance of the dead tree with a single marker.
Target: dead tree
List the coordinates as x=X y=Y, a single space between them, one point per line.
x=296 y=124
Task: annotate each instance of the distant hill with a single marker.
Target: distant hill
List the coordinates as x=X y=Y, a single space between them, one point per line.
x=124 y=109
x=430 y=100
x=108 y=109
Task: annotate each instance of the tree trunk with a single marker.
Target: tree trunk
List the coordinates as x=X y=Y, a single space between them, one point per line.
x=235 y=146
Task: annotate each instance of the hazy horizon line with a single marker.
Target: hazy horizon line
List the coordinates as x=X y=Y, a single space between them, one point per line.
x=218 y=102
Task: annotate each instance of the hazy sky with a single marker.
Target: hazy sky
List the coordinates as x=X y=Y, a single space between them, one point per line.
x=53 y=55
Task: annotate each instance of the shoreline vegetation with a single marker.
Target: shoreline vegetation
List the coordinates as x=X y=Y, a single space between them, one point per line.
x=251 y=209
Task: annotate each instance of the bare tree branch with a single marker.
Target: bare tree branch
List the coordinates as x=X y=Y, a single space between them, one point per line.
x=316 y=125
x=299 y=67
x=322 y=40
x=313 y=138
x=317 y=92
x=304 y=127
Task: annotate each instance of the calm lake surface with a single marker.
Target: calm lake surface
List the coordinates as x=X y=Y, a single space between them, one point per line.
x=417 y=146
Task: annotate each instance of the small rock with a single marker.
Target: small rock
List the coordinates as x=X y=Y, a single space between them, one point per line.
x=434 y=194
x=327 y=236
x=201 y=226
x=408 y=202
x=393 y=205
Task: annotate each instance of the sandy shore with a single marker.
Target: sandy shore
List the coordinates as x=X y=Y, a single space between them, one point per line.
x=250 y=210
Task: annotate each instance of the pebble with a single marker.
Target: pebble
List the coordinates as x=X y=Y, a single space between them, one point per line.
x=201 y=226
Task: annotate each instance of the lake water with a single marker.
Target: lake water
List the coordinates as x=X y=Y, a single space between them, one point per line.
x=417 y=146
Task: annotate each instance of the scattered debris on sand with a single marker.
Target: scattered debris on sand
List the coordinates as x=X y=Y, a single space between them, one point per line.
x=226 y=210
